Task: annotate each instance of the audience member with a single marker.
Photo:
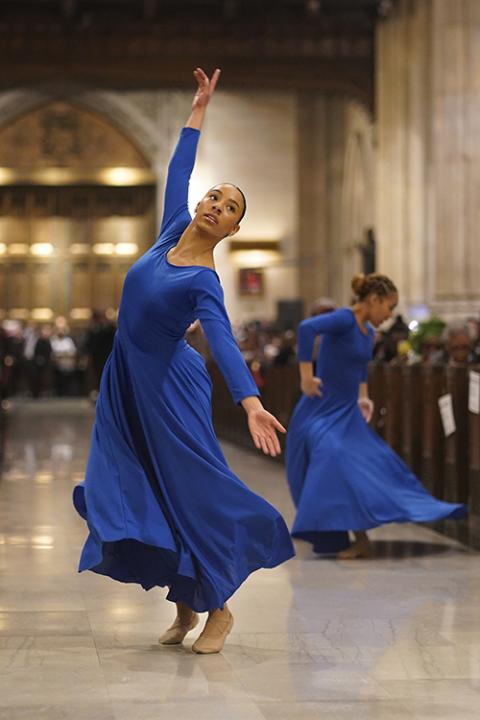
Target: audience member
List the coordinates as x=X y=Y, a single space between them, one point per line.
x=64 y=359
x=41 y=362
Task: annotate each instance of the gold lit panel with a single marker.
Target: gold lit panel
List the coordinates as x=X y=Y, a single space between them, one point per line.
x=60 y=176
x=104 y=285
x=13 y=229
x=18 y=313
x=42 y=314
x=42 y=230
x=41 y=282
x=103 y=248
x=80 y=285
x=18 y=249
x=77 y=206
x=41 y=249
x=18 y=285
x=80 y=249
x=127 y=248
x=80 y=313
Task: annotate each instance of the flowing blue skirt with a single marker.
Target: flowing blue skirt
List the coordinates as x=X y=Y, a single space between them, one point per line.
x=343 y=477
x=161 y=504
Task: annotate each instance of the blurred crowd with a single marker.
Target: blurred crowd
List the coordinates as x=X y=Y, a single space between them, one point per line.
x=430 y=342
x=52 y=359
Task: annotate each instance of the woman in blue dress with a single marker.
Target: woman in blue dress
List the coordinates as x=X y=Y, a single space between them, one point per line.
x=162 y=506
x=342 y=476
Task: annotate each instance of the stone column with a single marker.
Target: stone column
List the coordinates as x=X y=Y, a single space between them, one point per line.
x=335 y=190
x=428 y=160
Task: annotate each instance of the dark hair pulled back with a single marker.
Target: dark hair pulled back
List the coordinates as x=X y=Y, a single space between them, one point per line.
x=372 y=284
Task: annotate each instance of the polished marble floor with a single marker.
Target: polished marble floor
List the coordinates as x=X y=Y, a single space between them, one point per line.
x=394 y=637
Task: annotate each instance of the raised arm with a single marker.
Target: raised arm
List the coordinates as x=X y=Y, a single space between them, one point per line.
x=175 y=205
x=183 y=159
x=207 y=298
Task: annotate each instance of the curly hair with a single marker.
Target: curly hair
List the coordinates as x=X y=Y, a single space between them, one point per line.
x=372 y=284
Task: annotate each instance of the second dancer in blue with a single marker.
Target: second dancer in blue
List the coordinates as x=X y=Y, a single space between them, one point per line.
x=342 y=476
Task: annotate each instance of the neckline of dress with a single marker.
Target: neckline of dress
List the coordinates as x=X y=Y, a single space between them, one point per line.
x=365 y=334
x=204 y=267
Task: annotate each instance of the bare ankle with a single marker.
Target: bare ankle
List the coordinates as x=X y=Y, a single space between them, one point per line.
x=183 y=611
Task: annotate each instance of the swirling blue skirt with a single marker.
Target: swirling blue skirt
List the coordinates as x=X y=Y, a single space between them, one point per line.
x=161 y=504
x=343 y=477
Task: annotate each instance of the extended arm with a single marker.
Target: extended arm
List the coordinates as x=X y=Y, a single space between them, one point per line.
x=207 y=296
x=183 y=159
x=210 y=310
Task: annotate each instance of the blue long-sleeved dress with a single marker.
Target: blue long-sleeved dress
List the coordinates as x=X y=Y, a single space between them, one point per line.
x=342 y=476
x=161 y=504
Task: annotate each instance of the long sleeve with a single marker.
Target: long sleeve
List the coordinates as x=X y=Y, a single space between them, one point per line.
x=178 y=179
x=336 y=323
x=207 y=299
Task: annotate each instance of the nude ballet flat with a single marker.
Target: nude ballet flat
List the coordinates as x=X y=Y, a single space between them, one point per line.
x=214 y=634
x=176 y=633
x=355 y=551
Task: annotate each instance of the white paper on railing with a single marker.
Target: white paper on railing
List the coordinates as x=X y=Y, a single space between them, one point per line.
x=474 y=392
x=446 y=411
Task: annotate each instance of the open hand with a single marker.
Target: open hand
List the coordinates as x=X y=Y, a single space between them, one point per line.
x=263 y=428
x=311 y=387
x=205 y=89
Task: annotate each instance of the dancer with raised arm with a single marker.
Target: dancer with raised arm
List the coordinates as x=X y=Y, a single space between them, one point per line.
x=162 y=506
x=342 y=476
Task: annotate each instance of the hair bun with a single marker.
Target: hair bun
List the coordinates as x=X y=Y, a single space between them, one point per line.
x=358 y=283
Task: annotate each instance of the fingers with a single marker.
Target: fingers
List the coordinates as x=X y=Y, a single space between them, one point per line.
x=268 y=443
x=272 y=443
x=202 y=78
x=214 y=80
x=264 y=444
x=278 y=425
x=276 y=444
x=318 y=388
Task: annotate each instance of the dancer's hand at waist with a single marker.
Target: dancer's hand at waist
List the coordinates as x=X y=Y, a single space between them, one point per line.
x=366 y=408
x=309 y=384
x=263 y=426
x=311 y=387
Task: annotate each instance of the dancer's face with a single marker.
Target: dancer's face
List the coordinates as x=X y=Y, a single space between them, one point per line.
x=220 y=210
x=380 y=308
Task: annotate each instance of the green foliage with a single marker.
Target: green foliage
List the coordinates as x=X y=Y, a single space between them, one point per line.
x=431 y=328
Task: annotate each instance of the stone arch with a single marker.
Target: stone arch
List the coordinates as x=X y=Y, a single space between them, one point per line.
x=61 y=134
x=118 y=111
x=77 y=199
